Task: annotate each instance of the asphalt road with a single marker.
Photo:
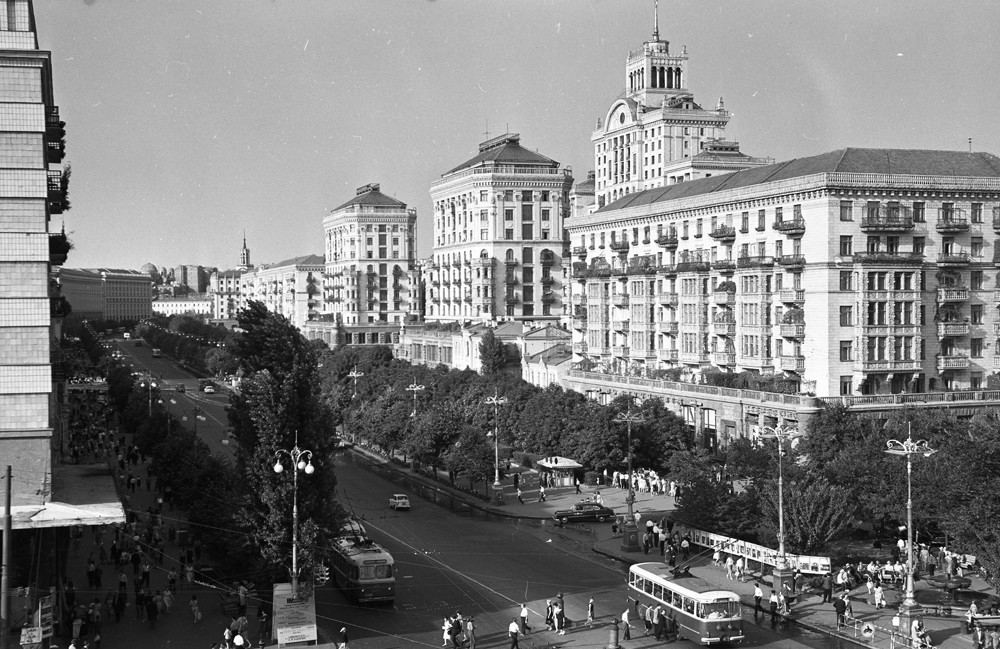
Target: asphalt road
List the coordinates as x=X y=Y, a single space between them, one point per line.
x=451 y=558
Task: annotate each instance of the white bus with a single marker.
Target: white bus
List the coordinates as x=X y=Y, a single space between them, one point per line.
x=703 y=612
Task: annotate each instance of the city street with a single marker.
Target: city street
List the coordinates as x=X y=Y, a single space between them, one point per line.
x=450 y=557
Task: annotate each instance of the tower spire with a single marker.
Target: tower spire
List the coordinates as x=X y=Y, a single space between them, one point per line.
x=656 y=20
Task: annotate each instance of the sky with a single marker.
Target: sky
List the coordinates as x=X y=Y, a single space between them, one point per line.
x=192 y=121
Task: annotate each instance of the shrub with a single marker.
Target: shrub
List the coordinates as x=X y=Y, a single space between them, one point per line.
x=592 y=478
x=525 y=460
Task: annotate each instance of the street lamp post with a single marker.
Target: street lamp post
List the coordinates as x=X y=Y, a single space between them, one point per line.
x=149 y=384
x=630 y=531
x=167 y=408
x=414 y=388
x=496 y=401
x=781 y=576
x=301 y=461
x=909 y=609
x=197 y=416
x=355 y=374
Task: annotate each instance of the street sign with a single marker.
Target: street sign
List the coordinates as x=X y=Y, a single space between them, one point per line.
x=868 y=630
x=31 y=634
x=294 y=620
x=45 y=615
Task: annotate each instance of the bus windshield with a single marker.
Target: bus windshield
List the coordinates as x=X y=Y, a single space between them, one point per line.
x=378 y=571
x=714 y=610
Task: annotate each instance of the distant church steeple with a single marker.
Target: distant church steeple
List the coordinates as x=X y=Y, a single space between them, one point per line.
x=245 y=254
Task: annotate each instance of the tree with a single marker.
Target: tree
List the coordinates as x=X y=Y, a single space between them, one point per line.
x=492 y=354
x=815 y=513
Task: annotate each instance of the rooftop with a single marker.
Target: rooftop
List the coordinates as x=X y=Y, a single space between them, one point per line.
x=371 y=195
x=505 y=149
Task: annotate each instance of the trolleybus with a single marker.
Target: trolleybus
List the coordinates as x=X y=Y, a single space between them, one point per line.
x=703 y=613
x=363 y=570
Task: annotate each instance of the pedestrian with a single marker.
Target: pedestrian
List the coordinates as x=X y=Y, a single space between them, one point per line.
x=730 y=567
x=470 y=631
x=195 y=610
x=520 y=499
x=445 y=632
x=590 y=612
x=658 y=622
x=513 y=631
x=168 y=600
x=686 y=550
x=758 y=595
x=227 y=636
x=558 y=617
x=626 y=626
x=242 y=594
x=773 y=601
x=716 y=557
x=456 y=629
x=525 y=629
x=647 y=540
x=517 y=480
x=879 y=596
x=549 y=619
x=146 y=570
x=172 y=580
x=343 y=638
x=561 y=619
x=152 y=613
x=740 y=565
x=647 y=621
x=840 y=606
x=827 y=587
x=541 y=493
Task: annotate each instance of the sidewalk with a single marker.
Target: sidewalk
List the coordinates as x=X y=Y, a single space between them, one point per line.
x=808 y=611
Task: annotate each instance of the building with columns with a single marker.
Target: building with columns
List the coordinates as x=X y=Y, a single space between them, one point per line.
x=655 y=133
x=225 y=287
x=498 y=236
x=290 y=287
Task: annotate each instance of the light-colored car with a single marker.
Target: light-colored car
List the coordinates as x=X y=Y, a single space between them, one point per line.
x=209 y=389
x=399 y=501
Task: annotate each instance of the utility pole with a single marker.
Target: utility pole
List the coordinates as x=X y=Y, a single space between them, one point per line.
x=5 y=573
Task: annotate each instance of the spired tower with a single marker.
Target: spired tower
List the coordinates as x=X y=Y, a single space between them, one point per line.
x=655 y=133
x=245 y=254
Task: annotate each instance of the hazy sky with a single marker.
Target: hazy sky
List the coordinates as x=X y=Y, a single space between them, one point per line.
x=189 y=121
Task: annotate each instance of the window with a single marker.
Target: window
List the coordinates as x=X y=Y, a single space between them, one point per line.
x=892 y=245
x=918 y=245
x=545 y=214
x=484 y=196
x=526 y=231
x=684 y=230
x=745 y=222
x=845 y=386
x=977 y=213
x=976 y=380
x=508 y=215
x=846 y=245
x=846 y=280
x=527 y=256
x=976 y=247
x=846 y=211
x=976 y=314
x=527 y=212
x=508 y=234
x=846 y=316
x=976 y=347
x=846 y=351
x=976 y=280
x=919 y=213
x=697 y=228
x=545 y=196
x=761 y=216
x=874 y=244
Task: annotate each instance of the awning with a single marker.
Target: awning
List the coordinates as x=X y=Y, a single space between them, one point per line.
x=557 y=462
x=81 y=495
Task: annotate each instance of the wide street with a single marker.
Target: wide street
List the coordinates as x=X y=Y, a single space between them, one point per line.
x=450 y=557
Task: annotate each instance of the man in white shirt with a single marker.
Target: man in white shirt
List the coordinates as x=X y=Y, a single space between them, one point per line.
x=513 y=630
x=627 y=626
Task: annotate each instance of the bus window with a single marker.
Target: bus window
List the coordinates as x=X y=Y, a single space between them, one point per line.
x=658 y=591
x=647 y=587
x=676 y=600
x=689 y=605
x=714 y=610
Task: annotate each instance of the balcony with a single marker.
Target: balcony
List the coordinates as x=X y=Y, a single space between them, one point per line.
x=724 y=265
x=725 y=298
x=724 y=359
x=547 y=259
x=793 y=363
x=792 y=295
x=548 y=297
x=507 y=262
x=509 y=281
x=579 y=322
x=950 y=363
x=724 y=233
x=668 y=241
x=58 y=184
x=667 y=355
x=59 y=247
x=547 y=280
x=886 y=223
x=693 y=358
x=760 y=261
x=953 y=259
x=579 y=348
x=696 y=266
x=952 y=329
x=668 y=328
x=792 y=261
x=797 y=330
x=55 y=136
x=59 y=307
x=886 y=366
x=511 y=299
x=580 y=251
x=888 y=258
x=621 y=247
x=952 y=294
x=722 y=328
x=620 y=351
x=619 y=300
x=951 y=221
x=670 y=270
x=667 y=299
x=620 y=325
x=794 y=227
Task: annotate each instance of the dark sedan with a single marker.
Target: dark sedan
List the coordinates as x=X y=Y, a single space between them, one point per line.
x=584 y=512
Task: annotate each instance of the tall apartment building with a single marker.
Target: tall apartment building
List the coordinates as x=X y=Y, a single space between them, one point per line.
x=32 y=389
x=656 y=134
x=290 y=288
x=858 y=271
x=498 y=236
x=370 y=247
x=107 y=293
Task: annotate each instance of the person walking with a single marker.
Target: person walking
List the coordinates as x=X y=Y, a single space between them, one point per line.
x=470 y=631
x=773 y=602
x=626 y=625
x=445 y=632
x=541 y=493
x=195 y=610
x=549 y=615
x=343 y=638
x=730 y=567
x=827 y=587
x=840 y=606
x=525 y=629
x=590 y=612
x=740 y=565
x=513 y=631
x=758 y=595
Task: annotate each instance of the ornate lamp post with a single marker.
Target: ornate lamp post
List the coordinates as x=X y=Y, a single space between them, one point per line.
x=301 y=461
x=630 y=532
x=196 y=414
x=909 y=609
x=781 y=576
x=414 y=388
x=355 y=374
x=496 y=401
x=149 y=384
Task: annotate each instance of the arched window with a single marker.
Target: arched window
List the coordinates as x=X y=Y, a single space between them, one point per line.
x=484 y=255
x=510 y=254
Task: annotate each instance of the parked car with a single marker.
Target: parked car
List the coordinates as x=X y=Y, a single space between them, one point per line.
x=399 y=501
x=209 y=389
x=585 y=511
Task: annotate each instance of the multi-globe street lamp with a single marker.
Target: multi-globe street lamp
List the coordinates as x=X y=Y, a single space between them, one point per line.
x=781 y=576
x=197 y=415
x=909 y=609
x=355 y=374
x=167 y=409
x=496 y=401
x=630 y=532
x=301 y=461
x=149 y=384
x=414 y=388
